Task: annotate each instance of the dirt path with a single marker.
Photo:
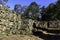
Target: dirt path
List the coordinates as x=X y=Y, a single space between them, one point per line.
x=21 y=37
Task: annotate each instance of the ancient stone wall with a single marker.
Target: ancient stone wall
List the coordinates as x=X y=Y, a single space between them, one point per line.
x=44 y=24
x=54 y=24
x=12 y=23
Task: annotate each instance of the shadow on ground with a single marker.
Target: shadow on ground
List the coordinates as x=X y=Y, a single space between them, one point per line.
x=47 y=37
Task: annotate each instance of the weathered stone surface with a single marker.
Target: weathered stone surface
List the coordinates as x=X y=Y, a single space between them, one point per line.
x=12 y=23
x=9 y=20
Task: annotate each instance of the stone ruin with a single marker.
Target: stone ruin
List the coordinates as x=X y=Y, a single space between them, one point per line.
x=12 y=23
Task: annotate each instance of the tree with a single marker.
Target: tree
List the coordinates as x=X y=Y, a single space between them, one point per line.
x=49 y=13
x=17 y=8
x=32 y=11
x=58 y=9
x=3 y=1
x=20 y=9
x=58 y=3
x=43 y=13
x=23 y=9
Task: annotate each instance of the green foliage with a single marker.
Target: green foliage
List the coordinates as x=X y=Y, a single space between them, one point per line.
x=17 y=7
x=34 y=9
x=52 y=12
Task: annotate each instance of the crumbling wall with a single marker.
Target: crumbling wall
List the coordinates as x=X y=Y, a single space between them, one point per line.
x=48 y=24
x=10 y=21
x=54 y=24
x=27 y=26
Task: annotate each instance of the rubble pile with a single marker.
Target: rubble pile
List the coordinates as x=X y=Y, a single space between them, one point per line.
x=10 y=21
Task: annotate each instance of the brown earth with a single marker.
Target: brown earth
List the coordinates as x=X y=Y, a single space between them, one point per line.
x=19 y=37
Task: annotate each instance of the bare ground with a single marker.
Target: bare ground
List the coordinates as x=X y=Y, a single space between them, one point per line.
x=19 y=37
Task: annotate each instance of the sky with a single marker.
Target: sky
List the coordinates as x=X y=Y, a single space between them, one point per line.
x=11 y=3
